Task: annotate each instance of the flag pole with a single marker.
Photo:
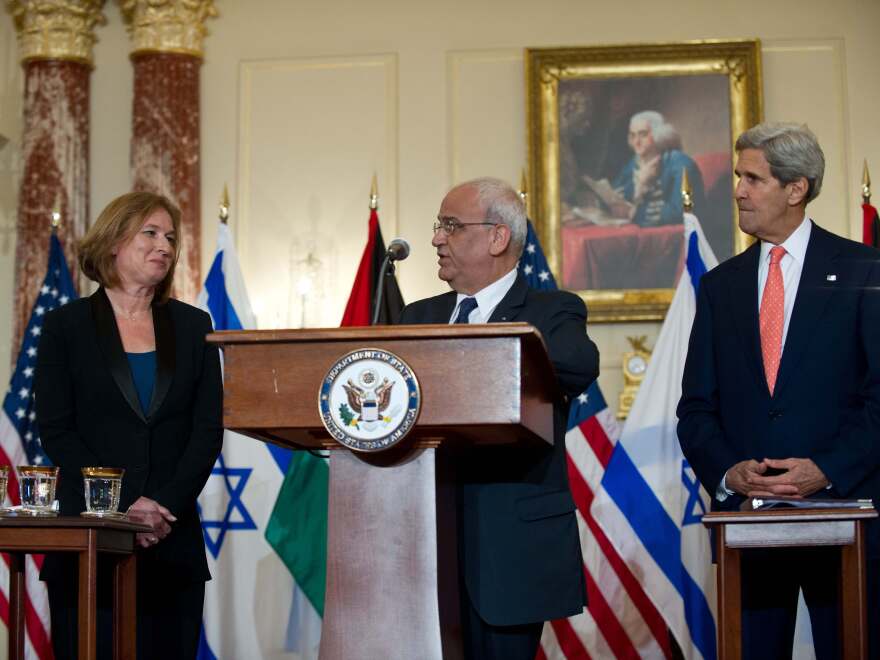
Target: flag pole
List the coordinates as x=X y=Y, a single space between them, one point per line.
x=687 y=199
x=866 y=184
x=224 y=205
x=374 y=194
x=55 y=217
x=387 y=266
x=523 y=191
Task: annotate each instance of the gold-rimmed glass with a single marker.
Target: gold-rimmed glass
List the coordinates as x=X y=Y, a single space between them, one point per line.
x=36 y=486
x=102 y=486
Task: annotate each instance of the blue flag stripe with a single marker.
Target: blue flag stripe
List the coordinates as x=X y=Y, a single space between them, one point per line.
x=222 y=310
x=695 y=266
x=661 y=537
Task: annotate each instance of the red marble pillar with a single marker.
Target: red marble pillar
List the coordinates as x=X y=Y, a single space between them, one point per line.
x=55 y=157
x=165 y=151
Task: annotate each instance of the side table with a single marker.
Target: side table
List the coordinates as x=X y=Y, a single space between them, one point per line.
x=791 y=528
x=87 y=537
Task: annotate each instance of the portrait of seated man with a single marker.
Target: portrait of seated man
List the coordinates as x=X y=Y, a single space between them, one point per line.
x=649 y=186
x=627 y=234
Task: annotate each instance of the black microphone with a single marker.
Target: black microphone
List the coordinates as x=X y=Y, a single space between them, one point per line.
x=398 y=250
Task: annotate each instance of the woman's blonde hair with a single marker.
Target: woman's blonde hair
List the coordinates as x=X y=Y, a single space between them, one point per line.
x=120 y=220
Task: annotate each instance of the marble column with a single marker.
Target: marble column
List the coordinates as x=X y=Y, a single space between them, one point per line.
x=55 y=39
x=167 y=38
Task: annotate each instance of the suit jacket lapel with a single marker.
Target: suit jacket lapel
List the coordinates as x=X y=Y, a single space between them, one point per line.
x=442 y=311
x=512 y=302
x=111 y=346
x=165 y=356
x=744 y=310
x=812 y=297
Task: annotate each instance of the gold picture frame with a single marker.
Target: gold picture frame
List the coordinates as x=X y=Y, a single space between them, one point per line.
x=580 y=104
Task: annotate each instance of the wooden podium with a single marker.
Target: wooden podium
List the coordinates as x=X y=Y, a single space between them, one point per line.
x=392 y=570
x=791 y=528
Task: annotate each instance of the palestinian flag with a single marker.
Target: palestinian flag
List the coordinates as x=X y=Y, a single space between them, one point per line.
x=359 y=309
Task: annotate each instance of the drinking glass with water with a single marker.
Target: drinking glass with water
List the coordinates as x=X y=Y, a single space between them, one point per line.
x=103 y=486
x=36 y=486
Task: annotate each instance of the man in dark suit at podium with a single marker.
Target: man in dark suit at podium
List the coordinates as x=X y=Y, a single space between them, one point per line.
x=781 y=388
x=519 y=552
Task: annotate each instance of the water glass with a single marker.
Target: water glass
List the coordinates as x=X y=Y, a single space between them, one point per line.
x=102 y=487
x=36 y=485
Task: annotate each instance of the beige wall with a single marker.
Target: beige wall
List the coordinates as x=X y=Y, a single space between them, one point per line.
x=303 y=101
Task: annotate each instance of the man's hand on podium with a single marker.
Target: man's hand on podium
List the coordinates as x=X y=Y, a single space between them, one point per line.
x=151 y=513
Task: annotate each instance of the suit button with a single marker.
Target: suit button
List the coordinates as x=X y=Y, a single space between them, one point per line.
x=775 y=414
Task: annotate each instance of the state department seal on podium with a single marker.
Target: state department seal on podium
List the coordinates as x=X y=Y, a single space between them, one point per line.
x=369 y=400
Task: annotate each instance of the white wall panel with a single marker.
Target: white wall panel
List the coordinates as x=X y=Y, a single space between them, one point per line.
x=822 y=105
x=486 y=114
x=312 y=133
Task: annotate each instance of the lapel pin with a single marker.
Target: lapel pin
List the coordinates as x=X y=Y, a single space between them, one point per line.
x=831 y=278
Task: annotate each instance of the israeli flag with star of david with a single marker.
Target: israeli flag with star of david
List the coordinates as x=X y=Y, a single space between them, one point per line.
x=650 y=502
x=248 y=601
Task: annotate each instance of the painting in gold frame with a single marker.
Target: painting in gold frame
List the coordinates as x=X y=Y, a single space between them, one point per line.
x=610 y=130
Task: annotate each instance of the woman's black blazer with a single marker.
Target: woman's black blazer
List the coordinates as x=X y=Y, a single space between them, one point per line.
x=89 y=414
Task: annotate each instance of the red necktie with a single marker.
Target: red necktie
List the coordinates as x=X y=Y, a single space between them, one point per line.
x=772 y=317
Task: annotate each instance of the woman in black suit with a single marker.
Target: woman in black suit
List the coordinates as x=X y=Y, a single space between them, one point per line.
x=125 y=379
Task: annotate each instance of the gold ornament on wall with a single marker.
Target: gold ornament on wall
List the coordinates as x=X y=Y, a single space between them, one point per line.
x=167 y=26
x=635 y=364
x=56 y=29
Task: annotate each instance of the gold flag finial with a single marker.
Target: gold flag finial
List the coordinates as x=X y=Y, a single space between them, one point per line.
x=374 y=194
x=523 y=187
x=224 y=205
x=866 y=184
x=687 y=199
x=55 y=219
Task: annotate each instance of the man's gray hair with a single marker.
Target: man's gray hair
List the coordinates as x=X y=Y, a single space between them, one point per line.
x=791 y=150
x=502 y=205
x=664 y=134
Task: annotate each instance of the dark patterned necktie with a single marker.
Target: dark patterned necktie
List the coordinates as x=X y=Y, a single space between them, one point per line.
x=464 y=310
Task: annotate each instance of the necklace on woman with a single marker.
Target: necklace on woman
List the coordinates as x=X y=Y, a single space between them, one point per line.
x=129 y=316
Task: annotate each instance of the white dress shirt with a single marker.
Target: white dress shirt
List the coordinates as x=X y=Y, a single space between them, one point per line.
x=792 y=265
x=487 y=299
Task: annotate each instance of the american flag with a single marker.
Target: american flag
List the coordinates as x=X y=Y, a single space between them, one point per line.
x=20 y=445
x=620 y=621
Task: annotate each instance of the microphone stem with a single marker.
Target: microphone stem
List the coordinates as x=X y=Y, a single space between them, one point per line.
x=384 y=271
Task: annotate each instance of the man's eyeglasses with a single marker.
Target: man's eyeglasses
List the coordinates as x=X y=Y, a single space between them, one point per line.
x=449 y=225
